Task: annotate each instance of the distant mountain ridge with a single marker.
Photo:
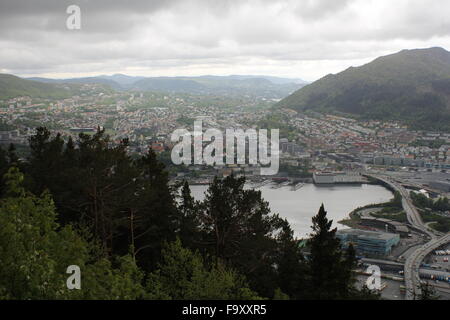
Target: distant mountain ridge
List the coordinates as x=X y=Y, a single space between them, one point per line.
x=411 y=86
x=268 y=86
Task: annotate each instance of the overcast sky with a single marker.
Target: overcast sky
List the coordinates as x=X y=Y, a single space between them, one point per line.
x=300 y=38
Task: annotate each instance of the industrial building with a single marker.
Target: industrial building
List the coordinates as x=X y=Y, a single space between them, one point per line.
x=369 y=242
x=440 y=185
x=337 y=178
x=389 y=225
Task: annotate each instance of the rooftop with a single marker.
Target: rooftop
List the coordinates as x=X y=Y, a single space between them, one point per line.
x=368 y=234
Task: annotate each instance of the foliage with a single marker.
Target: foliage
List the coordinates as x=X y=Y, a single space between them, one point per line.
x=117 y=218
x=330 y=269
x=35 y=252
x=125 y=202
x=11 y=87
x=183 y=274
x=427 y=292
x=237 y=228
x=421 y=201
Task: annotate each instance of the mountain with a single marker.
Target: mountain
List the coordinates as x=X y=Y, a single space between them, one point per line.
x=169 y=84
x=87 y=80
x=12 y=86
x=411 y=86
x=219 y=85
x=275 y=80
x=122 y=79
x=264 y=86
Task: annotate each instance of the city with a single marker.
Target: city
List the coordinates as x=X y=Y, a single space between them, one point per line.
x=225 y=159
x=315 y=148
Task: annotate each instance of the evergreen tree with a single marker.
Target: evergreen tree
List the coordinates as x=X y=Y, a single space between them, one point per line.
x=291 y=267
x=328 y=271
x=189 y=224
x=239 y=230
x=158 y=214
x=124 y=202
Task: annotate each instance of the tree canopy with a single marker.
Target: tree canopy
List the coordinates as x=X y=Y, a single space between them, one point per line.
x=87 y=202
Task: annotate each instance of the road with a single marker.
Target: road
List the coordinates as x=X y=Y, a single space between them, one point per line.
x=412 y=264
x=412 y=214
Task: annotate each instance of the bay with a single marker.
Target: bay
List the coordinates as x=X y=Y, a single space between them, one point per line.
x=298 y=207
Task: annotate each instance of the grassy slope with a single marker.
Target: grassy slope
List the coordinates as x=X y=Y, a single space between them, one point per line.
x=12 y=86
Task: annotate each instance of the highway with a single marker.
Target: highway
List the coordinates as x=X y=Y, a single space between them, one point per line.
x=412 y=214
x=413 y=262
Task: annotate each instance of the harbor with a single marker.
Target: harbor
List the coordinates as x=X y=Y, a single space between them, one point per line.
x=299 y=202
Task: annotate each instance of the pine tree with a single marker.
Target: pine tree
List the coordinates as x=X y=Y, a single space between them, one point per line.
x=291 y=265
x=331 y=273
x=327 y=272
x=189 y=224
x=239 y=230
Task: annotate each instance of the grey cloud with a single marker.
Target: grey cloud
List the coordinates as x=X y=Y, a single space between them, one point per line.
x=184 y=34
x=314 y=9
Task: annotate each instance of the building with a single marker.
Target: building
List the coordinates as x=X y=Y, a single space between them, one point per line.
x=157 y=146
x=323 y=178
x=392 y=226
x=83 y=130
x=393 y=161
x=337 y=178
x=369 y=242
x=289 y=147
x=440 y=185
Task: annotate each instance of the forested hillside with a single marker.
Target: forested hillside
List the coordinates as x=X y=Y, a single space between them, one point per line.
x=412 y=86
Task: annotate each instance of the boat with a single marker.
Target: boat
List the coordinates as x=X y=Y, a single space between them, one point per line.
x=297 y=186
x=281 y=185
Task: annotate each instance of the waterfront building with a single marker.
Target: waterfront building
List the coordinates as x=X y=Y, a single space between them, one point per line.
x=369 y=242
x=337 y=177
x=391 y=226
x=440 y=185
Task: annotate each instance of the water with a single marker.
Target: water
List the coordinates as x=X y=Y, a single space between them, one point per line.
x=298 y=207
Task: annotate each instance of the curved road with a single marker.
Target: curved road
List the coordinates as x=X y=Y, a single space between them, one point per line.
x=412 y=264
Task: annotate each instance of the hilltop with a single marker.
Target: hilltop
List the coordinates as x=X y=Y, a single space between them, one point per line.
x=411 y=86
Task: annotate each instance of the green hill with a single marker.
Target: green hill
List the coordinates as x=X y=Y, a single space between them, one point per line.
x=411 y=86
x=12 y=86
